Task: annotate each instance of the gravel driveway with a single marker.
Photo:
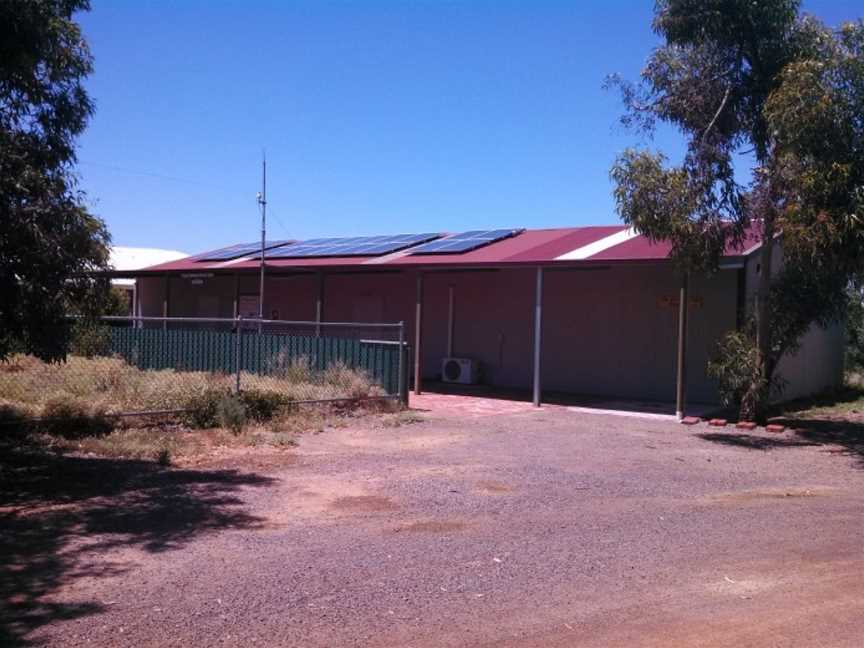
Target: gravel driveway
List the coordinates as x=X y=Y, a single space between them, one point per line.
x=524 y=528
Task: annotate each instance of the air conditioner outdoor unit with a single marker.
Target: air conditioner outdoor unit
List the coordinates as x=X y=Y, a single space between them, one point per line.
x=459 y=370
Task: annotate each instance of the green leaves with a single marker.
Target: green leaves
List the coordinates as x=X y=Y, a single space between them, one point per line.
x=49 y=243
x=670 y=204
x=740 y=78
x=816 y=114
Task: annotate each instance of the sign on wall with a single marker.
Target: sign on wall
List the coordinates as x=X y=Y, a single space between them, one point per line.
x=248 y=306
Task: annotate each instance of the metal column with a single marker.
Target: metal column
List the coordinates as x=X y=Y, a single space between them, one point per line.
x=236 y=295
x=403 y=374
x=538 y=328
x=166 y=284
x=418 y=329
x=450 y=321
x=238 y=348
x=681 y=386
x=319 y=305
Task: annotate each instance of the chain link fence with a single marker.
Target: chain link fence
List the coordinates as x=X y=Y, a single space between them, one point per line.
x=145 y=365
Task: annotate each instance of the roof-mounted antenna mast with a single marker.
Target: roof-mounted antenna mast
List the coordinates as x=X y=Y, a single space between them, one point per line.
x=262 y=203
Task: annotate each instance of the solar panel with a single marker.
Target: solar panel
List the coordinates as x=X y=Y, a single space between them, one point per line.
x=353 y=246
x=239 y=250
x=465 y=241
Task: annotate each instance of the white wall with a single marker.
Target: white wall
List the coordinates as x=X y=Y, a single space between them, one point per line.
x=817 y=365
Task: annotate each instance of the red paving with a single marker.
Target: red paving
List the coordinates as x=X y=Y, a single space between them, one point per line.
x=464 y=406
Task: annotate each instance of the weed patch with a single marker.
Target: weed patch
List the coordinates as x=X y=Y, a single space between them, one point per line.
x=110 y=385
x=402 y=418
x=231 y=413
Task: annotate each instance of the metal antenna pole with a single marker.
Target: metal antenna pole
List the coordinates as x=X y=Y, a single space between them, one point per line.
x=262 y=201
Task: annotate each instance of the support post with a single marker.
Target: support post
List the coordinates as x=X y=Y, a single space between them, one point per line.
x=450 y=321
x=538 y=330
x=418 y=330
x=319 y=305
x=403 y=374
x=135 y=309
x=681 y=386
x=262 y=201
x=238 y=325
x=166 y=284
x=236 y=296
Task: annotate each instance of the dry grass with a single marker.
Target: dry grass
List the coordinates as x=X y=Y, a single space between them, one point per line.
x=110 y=385
x=169 y=444
x=398 y=419
x=846 y=401
x=173 y=443
x=72 y=402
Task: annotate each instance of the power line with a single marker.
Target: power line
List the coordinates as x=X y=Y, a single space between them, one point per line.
x=279 y=222
x=148 y=174
x=162 y=176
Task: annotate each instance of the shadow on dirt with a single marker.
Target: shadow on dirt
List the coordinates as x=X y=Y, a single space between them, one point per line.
x=847 y=436
x=752 y=441
x=60 y=514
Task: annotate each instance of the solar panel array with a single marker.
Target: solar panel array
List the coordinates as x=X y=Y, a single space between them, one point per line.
x=239 y=250
x=427 y=243
x=355 y=246
x=465 y=241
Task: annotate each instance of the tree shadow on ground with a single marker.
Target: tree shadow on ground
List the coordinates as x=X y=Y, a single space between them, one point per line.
x=846 y=435
x=60 y=514
x=840 y=400
x=753 y=441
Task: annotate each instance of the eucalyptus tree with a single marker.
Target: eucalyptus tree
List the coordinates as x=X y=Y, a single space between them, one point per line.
x=761 y=85
x=49 y=243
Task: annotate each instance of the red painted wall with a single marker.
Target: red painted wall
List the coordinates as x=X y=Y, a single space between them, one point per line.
x=608 y=331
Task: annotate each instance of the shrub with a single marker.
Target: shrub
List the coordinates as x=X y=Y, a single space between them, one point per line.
x=163 y=457
x=10 y=414
x=90 y=339
x=231 y=413
x=854 y=329
x=353 y=383
x=203 y=408
x=735 y=365
x=263 y=405
x=13 y=421
x=72 y=420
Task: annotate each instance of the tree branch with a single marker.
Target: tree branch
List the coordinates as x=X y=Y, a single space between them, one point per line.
x=717 y=114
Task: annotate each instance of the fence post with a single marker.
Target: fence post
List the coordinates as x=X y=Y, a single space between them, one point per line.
x=238 y=321
x=164 y=346
x=402 y=375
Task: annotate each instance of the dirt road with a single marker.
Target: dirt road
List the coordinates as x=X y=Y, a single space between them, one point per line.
x=522 y=528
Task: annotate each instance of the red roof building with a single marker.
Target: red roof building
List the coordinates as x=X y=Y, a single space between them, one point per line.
x=581 y=310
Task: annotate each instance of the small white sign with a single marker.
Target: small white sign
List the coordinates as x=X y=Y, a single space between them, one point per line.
x=248 y=306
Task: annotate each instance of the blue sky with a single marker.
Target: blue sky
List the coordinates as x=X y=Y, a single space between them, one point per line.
x=377 y=117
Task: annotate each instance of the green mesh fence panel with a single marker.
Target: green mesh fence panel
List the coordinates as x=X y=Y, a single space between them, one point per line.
x=260 y=353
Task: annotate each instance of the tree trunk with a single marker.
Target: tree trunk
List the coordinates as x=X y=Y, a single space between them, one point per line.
x=755 y=403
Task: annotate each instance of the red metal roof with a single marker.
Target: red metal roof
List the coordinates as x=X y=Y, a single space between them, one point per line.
x=640 y=248
x=560 y=246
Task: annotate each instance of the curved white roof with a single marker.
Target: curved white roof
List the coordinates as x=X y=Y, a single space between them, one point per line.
x=135 y=258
